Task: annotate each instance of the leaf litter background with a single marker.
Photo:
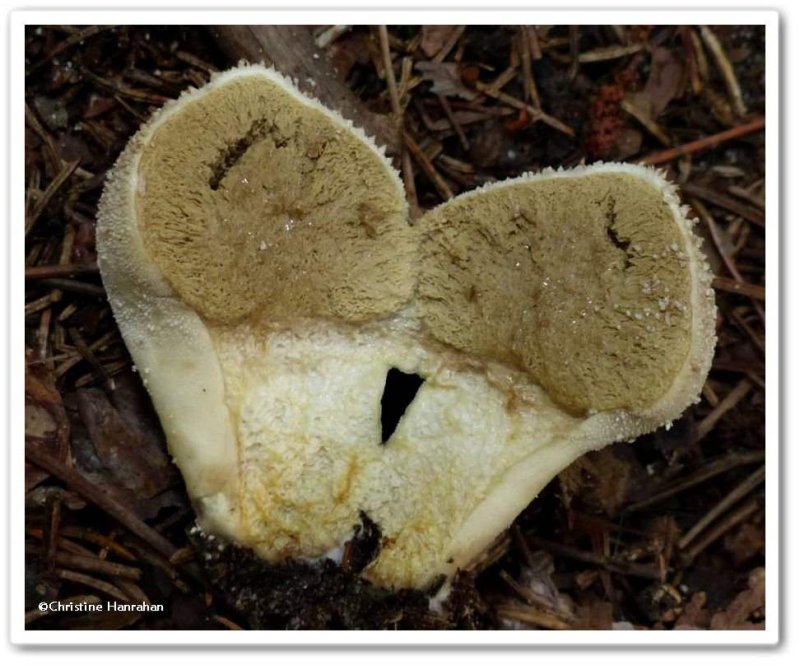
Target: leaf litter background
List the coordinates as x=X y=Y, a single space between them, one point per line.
x=667 y=533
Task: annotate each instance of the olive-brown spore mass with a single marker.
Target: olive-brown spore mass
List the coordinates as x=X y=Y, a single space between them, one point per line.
x=239 y=209
x=582 y=282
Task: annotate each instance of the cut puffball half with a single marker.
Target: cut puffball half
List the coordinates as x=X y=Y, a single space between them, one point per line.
x=315 y=358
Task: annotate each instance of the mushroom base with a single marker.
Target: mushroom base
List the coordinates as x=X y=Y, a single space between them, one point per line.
x=306 y=407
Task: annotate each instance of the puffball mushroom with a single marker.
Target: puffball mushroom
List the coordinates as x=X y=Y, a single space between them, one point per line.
x=261 y=265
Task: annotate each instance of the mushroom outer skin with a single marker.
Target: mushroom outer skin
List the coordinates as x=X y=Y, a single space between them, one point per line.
x=266 y=278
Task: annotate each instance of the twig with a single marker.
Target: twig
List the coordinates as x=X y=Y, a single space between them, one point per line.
x=407 y=81
x=646 y=121
x=502 y=79
x=490 y=555
x=139 y=116
x=194 y=61
x=692 y=68
x=425 y=164
x=330 y=34
x=739 y=492
x=530 y=616
x=462 y=137
x=67 y=270
x=50 y=533
x=88 y=355
x=456 y=164
x=158 y=561
x=42 y=337
x=56 y=184
x=700 y=59
x=477 y=111
x=705 y=143
x=606 y=563
x=93 y=564
x=455 y=35
x=742 y=288
x=68 y=43
x=609 y=53
x=36 y=306
x=536 y=114
x=574 y=52
x=93 y=582
x=466 y=182
x=757 y=340
x=98 y=344
x=759 y=381
x=731 y=400
x=747 y=194
x=708 y=218
x=74 y=286
x=409 y=184
x=103 y=498
x=183 y=555
x=726 y=69
x=740 y=366
x=230 y=625
x=727 y=202
x=131 y=93
x=522 y=545
x=67 y=312
x=710 y=394
x=152 y=81
x=53 y=156
x=391 y=82
x=716 y=236
x=101 y=135
x=64 y=544
x=701 y=475
x=533 y=42
x=399 y=113
x=111 y=369
x=523 y=47
x=98 y=539
x=722 y=528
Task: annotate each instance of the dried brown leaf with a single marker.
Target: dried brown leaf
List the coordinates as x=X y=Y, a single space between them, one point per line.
x=665 y=81
x=46 y=424
x=629 y=143
x=739 y=614
x=694 y=616
x=83 y=247
x=746 y=542
x=434 y=37
x=594 y=614
x=126 y=447
x=348 y=51
x=52 y=112
x=603 y=480
x=537 y=579
x=446 y=79
x=98 y=105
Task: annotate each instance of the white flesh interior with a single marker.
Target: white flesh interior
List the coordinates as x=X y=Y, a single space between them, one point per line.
x=306 y=407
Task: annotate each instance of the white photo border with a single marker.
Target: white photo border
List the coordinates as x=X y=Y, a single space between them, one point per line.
x=18 y=20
